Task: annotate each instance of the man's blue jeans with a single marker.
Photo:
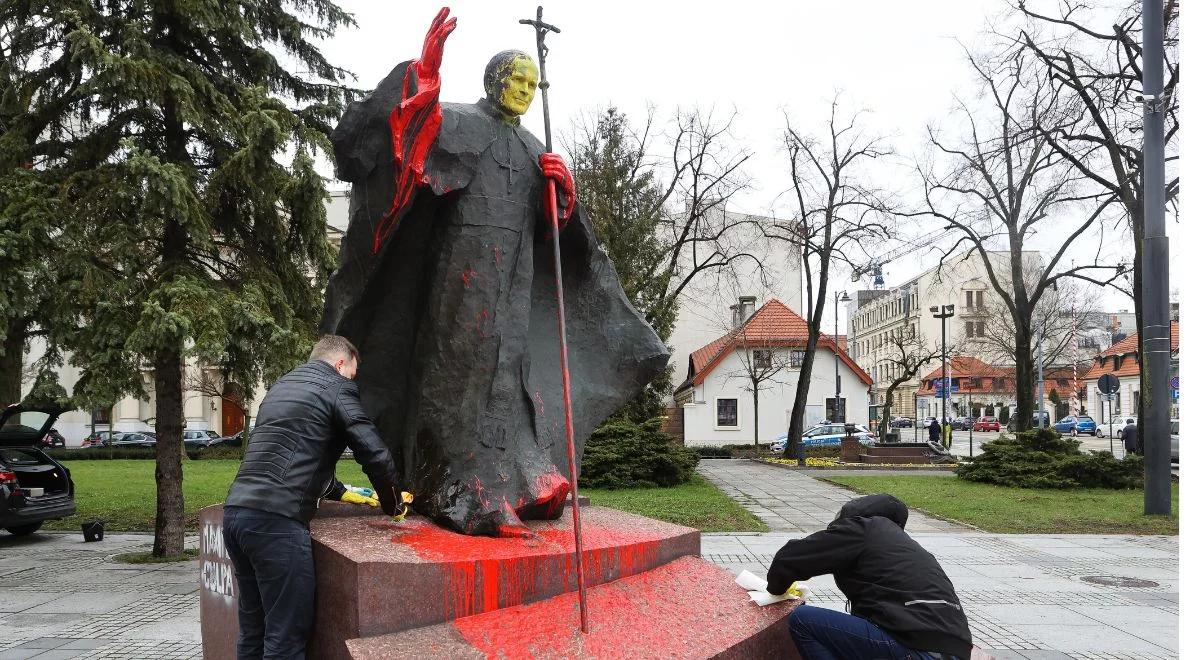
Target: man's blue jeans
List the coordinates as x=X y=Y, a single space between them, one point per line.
x=823 y=634
x=272 y=560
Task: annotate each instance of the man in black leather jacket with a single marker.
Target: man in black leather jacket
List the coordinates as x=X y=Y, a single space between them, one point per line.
x=304 y=424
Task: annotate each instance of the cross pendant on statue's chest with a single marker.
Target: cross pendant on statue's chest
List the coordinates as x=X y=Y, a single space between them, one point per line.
x=507 y=164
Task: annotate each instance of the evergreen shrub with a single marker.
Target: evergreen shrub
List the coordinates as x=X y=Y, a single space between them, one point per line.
x=622 y=454
x=1043 y=458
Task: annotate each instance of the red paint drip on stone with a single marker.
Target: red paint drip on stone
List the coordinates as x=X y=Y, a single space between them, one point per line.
x=482 y=574
x=670 y=609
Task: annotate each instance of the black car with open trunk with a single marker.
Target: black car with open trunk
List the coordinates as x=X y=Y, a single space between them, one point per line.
x=34 y=487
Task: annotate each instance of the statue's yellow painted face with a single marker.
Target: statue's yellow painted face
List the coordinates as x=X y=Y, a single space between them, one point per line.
x=519 y=87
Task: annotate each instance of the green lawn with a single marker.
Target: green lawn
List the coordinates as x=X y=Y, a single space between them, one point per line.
x=697 y=504
x=1020 y=510
x=122 y=493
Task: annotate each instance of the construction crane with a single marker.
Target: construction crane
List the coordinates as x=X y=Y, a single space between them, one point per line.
x=876 y=264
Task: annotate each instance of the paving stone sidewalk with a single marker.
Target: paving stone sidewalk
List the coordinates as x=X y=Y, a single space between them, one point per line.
x=1027 y=597
x=789 y=500
x=63 y=598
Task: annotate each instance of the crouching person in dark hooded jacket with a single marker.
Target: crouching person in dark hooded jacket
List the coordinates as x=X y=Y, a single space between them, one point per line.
x=902 y=605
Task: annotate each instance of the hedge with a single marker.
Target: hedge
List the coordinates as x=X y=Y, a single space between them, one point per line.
x=138 y=453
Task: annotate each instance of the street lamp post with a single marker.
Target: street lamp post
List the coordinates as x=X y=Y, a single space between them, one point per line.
x=838 y=414
x=942 y=313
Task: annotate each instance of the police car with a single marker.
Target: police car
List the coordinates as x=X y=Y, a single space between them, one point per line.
x=828 y=434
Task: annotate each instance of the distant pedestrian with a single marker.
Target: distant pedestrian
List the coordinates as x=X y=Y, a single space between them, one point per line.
x=935 y=431
x=1129 y=435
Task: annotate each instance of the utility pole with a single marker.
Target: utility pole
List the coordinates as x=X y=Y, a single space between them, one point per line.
x=942 y=313
x=1156 y=309
x=839 y=415
x=971 y=432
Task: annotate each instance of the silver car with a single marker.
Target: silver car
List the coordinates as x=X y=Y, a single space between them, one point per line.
x=1174 y=441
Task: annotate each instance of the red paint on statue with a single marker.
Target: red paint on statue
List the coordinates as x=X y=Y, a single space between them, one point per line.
x=479 y=320
x=415 y=123
x=541 y=405
x=496 y=252
x=467 y=276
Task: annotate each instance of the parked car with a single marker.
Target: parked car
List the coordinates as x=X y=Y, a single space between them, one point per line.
x=901 y=423
x=1076 y=425
x=100 y=438
x=1012 y=421
x=199 y=439
x=53 y=439
x=1174 y=441
x=134 y=439
x=962 y=423
x=987 y=424
x=1118 y=423
x=34 y=487
x=823 y=435
x=925 y=422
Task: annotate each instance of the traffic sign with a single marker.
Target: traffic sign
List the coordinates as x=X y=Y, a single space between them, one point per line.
x=1108 y=384
x=1174 y=382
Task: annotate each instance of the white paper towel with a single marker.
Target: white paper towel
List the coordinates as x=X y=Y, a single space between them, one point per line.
x=757 y=589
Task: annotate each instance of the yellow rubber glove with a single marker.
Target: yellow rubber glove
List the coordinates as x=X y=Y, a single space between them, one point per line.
x=354 y=498
x=406 y=498
x=797 y=591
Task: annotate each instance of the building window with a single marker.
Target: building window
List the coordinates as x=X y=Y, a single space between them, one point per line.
x=795 y=358
x=102 y=415
x=727 y=413
x=762 y=359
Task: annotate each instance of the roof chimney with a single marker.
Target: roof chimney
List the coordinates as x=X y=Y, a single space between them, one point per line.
x=746 y=307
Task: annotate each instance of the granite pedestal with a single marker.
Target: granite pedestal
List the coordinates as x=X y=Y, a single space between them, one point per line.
x=414 y=589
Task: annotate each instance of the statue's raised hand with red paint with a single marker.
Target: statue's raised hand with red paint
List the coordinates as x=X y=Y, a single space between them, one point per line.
x=554 y=167
x=430 y=62
x=415 y=121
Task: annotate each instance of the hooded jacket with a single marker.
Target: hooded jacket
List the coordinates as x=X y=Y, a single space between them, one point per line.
x=889 y=579
x=309 y=416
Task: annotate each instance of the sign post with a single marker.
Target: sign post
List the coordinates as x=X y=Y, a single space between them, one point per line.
x=1108 y=385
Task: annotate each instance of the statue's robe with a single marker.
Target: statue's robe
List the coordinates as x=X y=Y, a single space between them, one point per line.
x=455 y=318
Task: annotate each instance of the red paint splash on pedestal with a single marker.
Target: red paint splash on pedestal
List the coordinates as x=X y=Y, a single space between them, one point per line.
x=483 y=574
x=684 y=609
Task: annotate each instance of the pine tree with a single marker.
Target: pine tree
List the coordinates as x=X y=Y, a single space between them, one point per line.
x=38 y=83
x=207 y=242
x=617 y=187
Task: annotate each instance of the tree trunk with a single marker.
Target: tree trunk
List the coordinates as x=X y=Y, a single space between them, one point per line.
x=755 y=418
x=168 y=467
x=795 y=445
x=11 y=364
x=1025 y=384
x=888 y=400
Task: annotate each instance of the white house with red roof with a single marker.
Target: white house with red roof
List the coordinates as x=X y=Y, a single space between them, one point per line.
x=717 y=396
x=1123 y=361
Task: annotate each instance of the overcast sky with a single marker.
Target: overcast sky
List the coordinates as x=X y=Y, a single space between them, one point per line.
x=902 y=62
